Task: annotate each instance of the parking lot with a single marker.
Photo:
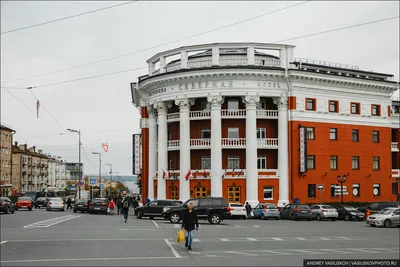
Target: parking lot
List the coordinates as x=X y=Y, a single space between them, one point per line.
x=65 y=238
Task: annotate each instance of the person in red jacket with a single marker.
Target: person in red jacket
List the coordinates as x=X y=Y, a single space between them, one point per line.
x=111 y=207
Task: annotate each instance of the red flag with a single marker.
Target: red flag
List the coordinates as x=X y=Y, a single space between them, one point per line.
x=187 y=175
x=169 y=175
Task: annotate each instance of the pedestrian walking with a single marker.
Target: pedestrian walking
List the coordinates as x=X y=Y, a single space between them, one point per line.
x=125 y=207
x=189 y=223
x=111 y=207
x=248 y=210
x=69 y=201
x=119 y=206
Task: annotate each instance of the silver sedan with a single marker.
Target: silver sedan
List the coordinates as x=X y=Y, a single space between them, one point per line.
x=321 y=212
x=55 y=203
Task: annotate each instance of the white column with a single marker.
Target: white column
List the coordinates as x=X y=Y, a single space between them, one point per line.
x=152 y=150
x=216 y=148
x=215 y=56
x=162 y=64
x=250 y=56
x=162 y=108
x=184 y=144
x=283 y=150
x=251 y=150
x=184 y=59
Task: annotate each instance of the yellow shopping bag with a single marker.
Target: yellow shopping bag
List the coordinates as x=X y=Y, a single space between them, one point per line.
x=181 y=236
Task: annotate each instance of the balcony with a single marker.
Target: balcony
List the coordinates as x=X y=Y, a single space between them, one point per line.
x=225 y=114
x=395 y=147
x=200 y=114
x=173 y=144
x=205 y=143
x=233 y=113
x=267 y=143
x=227 y=174
x=233 y=142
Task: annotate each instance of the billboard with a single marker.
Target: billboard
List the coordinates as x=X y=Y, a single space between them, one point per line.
x=303 y=149
x=137 y=153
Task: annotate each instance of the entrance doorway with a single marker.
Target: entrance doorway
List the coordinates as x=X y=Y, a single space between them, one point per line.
x=234 y=194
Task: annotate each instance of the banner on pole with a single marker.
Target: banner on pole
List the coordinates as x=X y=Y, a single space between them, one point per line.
x=137 y=154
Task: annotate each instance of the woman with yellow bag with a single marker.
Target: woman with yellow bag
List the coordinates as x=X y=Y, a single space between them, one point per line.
x=189 y=223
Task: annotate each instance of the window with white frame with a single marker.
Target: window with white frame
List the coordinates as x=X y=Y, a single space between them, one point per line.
x=376 y=163
x=206 y=163
x=261 y=163
x=233 y=132
x=268 y=192
x=205 y=105
x=233 y=104
x=233 y=163
x=262 y=104
x=205 y=133
x=355 y=162
x=261 y=133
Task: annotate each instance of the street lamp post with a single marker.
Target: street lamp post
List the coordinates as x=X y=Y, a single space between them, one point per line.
x=108 y=164
x=80 y=170
x=97 y=153
x=341 y=180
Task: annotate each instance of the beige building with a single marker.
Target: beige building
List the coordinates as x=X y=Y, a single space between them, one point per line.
x=6 y=139
x=30 y=168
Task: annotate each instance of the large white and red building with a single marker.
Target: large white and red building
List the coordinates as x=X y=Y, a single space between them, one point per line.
x=231 y=120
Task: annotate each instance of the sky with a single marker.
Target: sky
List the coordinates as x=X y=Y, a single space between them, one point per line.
x=101 y=107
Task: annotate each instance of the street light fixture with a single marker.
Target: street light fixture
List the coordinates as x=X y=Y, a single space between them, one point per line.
x=97 y=153
x=80 y=170
x=108 y=164
x=341 y=180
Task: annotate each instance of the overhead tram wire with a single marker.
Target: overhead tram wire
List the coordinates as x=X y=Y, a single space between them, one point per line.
x=65 y=18
x=288 y=39
x=163 y=44
x=84 y=152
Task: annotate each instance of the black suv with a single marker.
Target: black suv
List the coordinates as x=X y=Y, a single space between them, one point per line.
x=214 y=209
x=377 y=207
x=155 y=208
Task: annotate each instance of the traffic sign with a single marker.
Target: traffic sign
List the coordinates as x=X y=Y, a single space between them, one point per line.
x=102 y=186
x=93 y=181
x=320 y=187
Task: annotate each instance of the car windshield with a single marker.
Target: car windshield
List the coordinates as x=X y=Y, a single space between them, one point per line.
x=236 y=205
x=271 y=206
x=386 y=211
x=55 y=199
x=99 y=200
x=350 y=208
x=327 y=207
x=24 y=198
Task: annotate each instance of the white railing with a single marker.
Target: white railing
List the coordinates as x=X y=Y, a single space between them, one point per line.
x=326 y=63
x=233 y=112
x=267 y=113
x=232 y=61
x=173 y=116
x=199 y=63
x=233 y=142
x=200 y=113
x=267 y=62
x=173 y=67
x=200 y=143
x=173 y=143
x=395 y=146
x=156 y=72
x=267 y=142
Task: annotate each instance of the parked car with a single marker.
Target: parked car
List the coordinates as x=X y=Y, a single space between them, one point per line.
x=82 y=205
x=320 y=212
x=55 y=203
x=6 y=205
x=296 y=211
x=24 y=202
x=98 y=205
x=386 y=218
x=41 y=202
x=377 y=207
x=266 y=211
x=237 y=210
x=155 y=208
x=214 y=209
x=349 y=213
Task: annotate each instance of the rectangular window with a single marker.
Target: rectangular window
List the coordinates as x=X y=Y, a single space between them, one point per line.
x=375 y=136
x=205 y=133
x=206 y=163
x=355 y=162
x=233 y=132
x=354 y=135
x=205 y=105
x=377 y=189
x=233 y=163
x=376 y=163
x=334 y=162
x=310 y=104
x=261 y=163
x=268 y=192
x=333 y=190
x=356 y=190
x=262 y=105
x=355 y=108
x=333 y=134
x=311 y=162
x=311 y=190
x=233 y=104
x=333 y=106
x=375 y=110
x=261 y=133
x=310 y=133
x=395 y=189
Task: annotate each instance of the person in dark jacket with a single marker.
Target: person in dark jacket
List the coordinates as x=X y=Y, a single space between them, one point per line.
x=125 y=207
x=248 y=210
x=69 y=201
x=189 y=223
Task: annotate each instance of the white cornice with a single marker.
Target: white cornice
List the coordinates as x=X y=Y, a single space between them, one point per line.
x=323 y=91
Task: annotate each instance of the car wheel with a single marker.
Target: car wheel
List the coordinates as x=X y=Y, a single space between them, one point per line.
x=277 y=218
x=387 y=223
x=38 y=207
x=244 y=217
x=175 y=217
x=262 y=217
x=319 y=217
x=62 y=209
x=372 y=225
x=309 y=219
x=347 y=217
x=215 y=218
x=30 y=209
x=333 y=219
x=74 y=210
x=139 y=214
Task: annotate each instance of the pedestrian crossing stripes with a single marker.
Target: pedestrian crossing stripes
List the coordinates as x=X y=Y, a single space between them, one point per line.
x=51 y=222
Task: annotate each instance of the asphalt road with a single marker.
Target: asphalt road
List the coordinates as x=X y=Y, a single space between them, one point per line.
x=42 y=238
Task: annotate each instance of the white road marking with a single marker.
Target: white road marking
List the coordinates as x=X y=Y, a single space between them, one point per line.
x=196 y=240
x=364 y=250
x=177 y=226
x=240 y=253
x=324 y=238
x=251 y=239
x=345 y=238
x=3 y=242
x=300 y=238
x=172 y=248
x=256 y=226
x=156 y=224
x=335 y=250
x=224 y=239
x=52 y=221
x=275 y=252
x=277 y=239
x=92 y=259
x=238 y=226
x=305 y=251
x=143 y=229
x=87 y=239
